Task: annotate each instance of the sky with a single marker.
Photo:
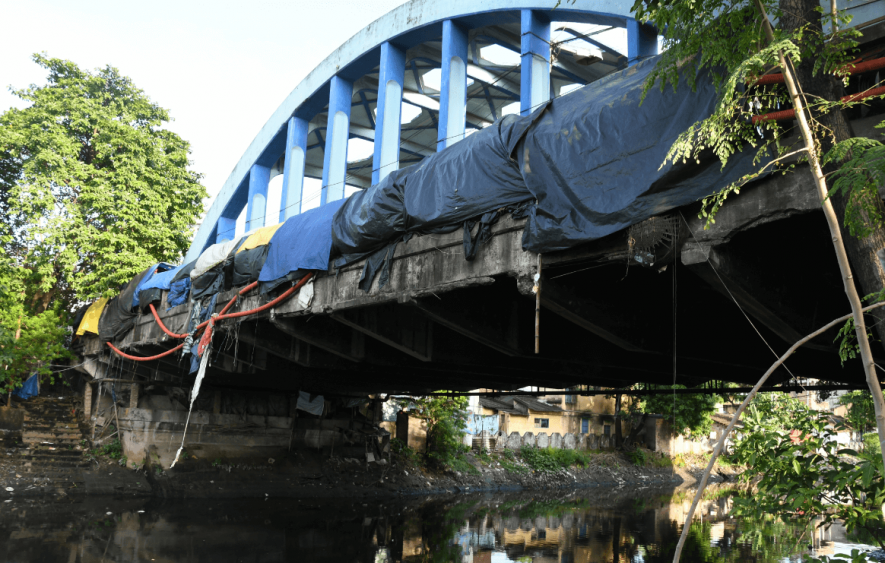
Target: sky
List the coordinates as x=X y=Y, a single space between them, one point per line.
x=221 y=68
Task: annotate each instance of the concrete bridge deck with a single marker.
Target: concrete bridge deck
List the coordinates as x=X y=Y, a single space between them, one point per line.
x=445 y=323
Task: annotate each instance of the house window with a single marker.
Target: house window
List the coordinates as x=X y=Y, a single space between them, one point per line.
x=571 y=399
x=607 y=430
x=542 y=423
x=585 y=426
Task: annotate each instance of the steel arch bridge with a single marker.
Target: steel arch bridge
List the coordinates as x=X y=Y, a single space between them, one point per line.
x=359 y=91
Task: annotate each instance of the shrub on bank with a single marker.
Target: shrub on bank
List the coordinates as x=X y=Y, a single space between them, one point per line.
x=549 y=459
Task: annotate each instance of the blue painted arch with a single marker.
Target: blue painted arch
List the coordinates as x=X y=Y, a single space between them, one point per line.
x=406 y=27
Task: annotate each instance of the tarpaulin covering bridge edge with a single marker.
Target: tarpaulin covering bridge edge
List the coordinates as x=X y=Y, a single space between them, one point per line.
x=579 y=168
x=591 y=160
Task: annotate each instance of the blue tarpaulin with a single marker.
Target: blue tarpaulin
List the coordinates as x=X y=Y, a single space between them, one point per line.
x=161 y=280
x=582 y=166
x=302 y=243
x=178 y=292
x=145 y=283
x=28 y=389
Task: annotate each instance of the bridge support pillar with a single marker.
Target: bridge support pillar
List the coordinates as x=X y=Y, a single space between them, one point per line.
x=642 y=41
x=535 y=61
x=293 y=168
x=390 y=100
x=453 y=97
x=337 y=135
x=259 y=178
x=227 y=227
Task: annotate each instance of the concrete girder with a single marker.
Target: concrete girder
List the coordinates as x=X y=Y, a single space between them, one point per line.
x=404 y=330
x=596 y=316
x=326 y=335
x=496 y=332
x=736 y=278
x=294 y=350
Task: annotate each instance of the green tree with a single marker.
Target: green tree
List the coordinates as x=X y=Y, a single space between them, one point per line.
x=29 y=342
x=689 y=415
x=93 y=189
x=446 y=419
x=861 y=415
x=735 y=41
x=804 y=475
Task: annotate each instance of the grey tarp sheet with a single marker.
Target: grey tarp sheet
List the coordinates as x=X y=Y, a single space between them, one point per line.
x=118 y=316
x=590 y=159
x=302 y=244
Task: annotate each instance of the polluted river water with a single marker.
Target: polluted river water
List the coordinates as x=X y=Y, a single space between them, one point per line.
x=586 y=525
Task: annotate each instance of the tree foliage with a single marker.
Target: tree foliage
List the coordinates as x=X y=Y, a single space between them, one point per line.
x=41 y=336
x=446 y=419
x=858 y=179
x=689 y=415
x=861 y=415
x=726 y=37
x=804 y=473
x=94 y=189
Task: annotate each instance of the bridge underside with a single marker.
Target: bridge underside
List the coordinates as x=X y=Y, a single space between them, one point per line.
x=605 y=319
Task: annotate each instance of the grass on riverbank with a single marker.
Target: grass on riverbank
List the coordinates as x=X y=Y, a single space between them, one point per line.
x=549 y=460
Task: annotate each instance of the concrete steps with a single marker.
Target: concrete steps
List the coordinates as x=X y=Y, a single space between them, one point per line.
x=52 y=436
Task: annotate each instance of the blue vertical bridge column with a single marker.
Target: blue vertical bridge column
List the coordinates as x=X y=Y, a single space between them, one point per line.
x=337 y=135
x=642 y=41
x=293 y=168
x=535 y=61
x=390 y=100
x=259 y=178
x=453 y=97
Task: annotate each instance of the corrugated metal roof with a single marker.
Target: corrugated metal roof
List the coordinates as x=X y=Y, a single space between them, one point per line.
x=517 y=404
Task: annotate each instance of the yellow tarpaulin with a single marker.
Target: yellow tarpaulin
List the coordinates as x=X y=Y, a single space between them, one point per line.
x=259 y=238
x=90 y=319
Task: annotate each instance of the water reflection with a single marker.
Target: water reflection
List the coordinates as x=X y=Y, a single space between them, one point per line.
x=584 y=526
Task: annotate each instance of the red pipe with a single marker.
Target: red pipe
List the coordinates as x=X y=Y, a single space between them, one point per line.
x=143 y=359
x=865 y=94
x=243 y=291
x=860 y=68
x=769 y=79
x=283 y=296
x=221 y=316
x=775 y=116
x=201 y=325
x=790 y=114
x=162 y=326
x=866 y=66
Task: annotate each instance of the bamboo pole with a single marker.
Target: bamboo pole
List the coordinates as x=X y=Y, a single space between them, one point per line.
x=750 y=396
x=538 y=307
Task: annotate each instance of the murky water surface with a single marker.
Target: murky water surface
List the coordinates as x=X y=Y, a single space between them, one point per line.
x=580 y=526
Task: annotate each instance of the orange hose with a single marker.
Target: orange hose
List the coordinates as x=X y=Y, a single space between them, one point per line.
x=860 y=68
x=144 y=359
x=162 y=326
x=283 y=296
x=203 y=324
x=789 y=113
x=221 y=316
x=865 y=94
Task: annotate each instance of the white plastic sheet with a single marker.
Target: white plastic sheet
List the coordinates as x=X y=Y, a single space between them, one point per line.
x=314 y=406
x=213 y=256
